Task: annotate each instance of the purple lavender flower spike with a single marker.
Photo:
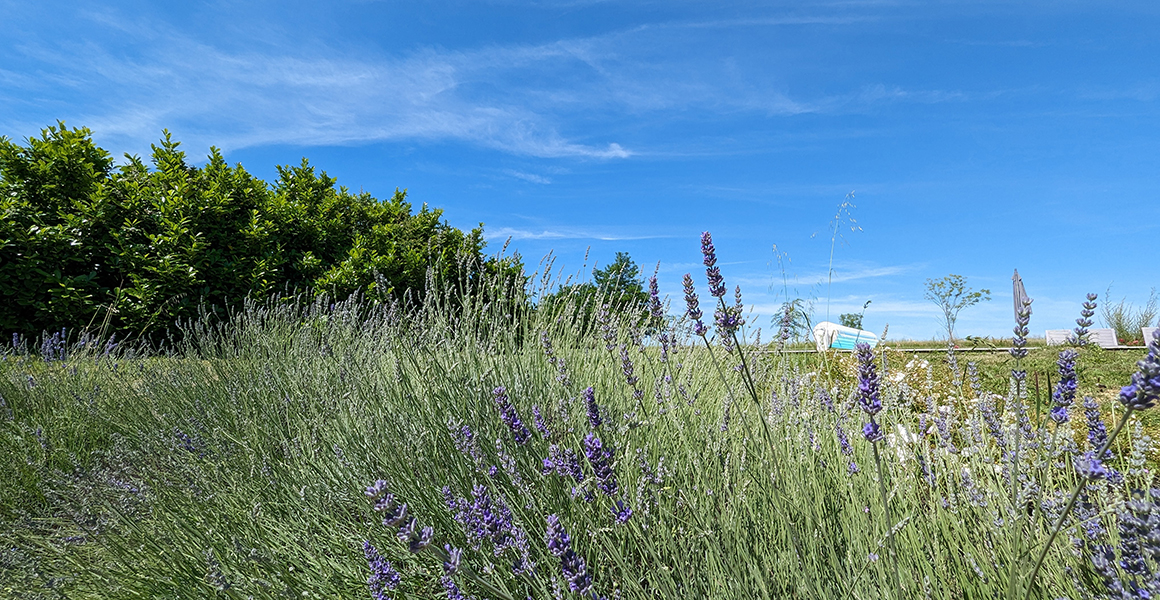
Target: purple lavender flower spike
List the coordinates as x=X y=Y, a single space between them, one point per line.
x=510 y=417
x=1065 y=389
x=452 y=589
x=375 y=491
x=420 y=540
x=626 y=366
x=872 y=432
x=621 y=513
x=454 y=557
x=546 y=342
x=538 y=420
x=600 y=458
x=383 y=576
x=869 y=397
x=556 y=538
x=693 y=307
x=594 y=418
x=843 y=441
x=1089 y=467
x=1097 y=432
x=572 y=566
x=1144 y=389
x=716 y=283
x=654 y=299
x=395 y=515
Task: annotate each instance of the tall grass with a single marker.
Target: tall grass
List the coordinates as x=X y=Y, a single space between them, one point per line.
x=1127 y=320
x=234 y=465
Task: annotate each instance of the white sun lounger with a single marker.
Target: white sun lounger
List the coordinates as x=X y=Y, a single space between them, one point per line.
x=1104 y=338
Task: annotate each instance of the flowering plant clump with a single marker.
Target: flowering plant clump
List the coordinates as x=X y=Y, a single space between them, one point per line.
x=227 y=465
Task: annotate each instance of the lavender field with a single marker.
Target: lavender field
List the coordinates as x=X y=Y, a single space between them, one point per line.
x=476 y=448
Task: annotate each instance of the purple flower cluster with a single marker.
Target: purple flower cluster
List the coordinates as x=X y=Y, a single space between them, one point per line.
x=566 y=463
x=594 y=418
x=1097 y=432
x=654 y=299
x=415 y=538
x=629 y=372
x=1064 y=392
x=600 y=457
x=869 y=396
x=716 y=282
x=454 y=557
x=485 y=518
x=621 y=513
x=452 y=589
x=1144 y=389
x=395 y=515
x=990 y=413
x=538 y=420
x=465 y=441
x=1138 y=523
x=549 y=351
x=693 y=307
x=1080 y=337
x=728 y=319
x=383 y=577
x=507 y=412
x=1090 y=467
x=572 y=565
x=604 y=318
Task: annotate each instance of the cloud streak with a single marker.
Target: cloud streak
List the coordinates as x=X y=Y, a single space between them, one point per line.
x=522 y=99
x=504 y=233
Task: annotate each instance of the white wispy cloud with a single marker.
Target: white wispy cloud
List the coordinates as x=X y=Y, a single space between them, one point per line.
x=503 y=233
x=529 y=177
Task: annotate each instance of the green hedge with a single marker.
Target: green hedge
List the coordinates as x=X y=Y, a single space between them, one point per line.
x=84 y=243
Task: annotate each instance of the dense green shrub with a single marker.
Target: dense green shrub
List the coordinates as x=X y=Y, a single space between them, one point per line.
x=132 y=249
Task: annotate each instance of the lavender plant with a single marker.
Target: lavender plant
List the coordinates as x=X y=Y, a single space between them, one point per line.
x=294 y=405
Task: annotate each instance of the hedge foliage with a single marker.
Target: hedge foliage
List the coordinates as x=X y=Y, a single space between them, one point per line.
x=133 y=249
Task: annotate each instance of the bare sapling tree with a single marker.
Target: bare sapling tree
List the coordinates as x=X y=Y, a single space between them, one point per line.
x=952 y=295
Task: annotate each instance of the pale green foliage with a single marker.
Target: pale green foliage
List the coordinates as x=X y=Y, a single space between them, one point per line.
x=952 y=295
x=1128 y=320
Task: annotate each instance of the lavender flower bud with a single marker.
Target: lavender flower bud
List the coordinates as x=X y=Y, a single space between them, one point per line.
x=654 y=299
x=868 y=394
x=1144 y=389
x=451 y=589
x=572 y=566
x=621 y=513
x=383 y=576
x=454 y=556
x=600 y=457
x=716 y=283
x=1089 y=467
x=510 y=417
x=1019 y=342
x=1065 y=389
x=594 y=418
x=872 y=432
x=374 y=492
x=538 y=420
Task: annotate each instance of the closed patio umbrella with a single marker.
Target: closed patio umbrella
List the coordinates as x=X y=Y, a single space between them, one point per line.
x=1018 y=292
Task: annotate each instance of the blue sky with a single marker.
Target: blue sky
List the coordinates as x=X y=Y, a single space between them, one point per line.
x=977 y=137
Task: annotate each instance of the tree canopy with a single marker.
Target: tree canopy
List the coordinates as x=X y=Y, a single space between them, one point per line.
x=82 y=240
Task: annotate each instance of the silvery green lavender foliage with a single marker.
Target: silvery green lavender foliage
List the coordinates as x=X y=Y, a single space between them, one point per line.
x=229 y=465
